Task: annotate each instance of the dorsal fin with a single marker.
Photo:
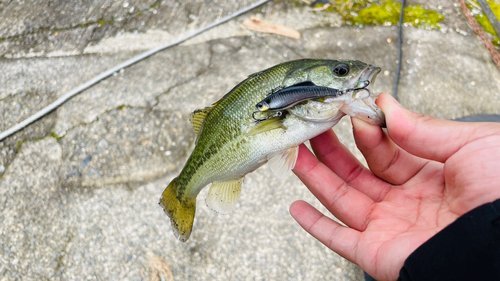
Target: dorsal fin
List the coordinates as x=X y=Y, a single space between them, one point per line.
x=219 y=101
x=197 y=118
x=253 y=75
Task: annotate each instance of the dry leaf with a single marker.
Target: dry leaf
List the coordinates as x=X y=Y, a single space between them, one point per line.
x=261 y=26
x=322 y=8
x=159 y=266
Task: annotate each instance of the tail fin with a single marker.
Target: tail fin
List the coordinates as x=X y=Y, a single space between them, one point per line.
x=180 y=209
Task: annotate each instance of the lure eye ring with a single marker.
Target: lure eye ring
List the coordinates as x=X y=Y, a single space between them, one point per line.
x=262 y=106
x=341 y=69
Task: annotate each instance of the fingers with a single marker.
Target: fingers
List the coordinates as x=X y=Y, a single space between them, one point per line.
x=335 y=236
x=340 y=160
x=346 y=203
x=428 y=137
x=385 y=159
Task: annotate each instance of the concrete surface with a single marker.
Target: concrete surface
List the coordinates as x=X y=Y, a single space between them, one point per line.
x=79 y=188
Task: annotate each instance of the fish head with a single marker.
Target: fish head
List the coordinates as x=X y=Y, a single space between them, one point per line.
x=350 y=76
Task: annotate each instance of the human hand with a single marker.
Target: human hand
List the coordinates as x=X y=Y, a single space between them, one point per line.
x=424 y=175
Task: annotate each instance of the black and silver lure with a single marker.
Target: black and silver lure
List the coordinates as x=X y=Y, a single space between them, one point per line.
x=292 y=95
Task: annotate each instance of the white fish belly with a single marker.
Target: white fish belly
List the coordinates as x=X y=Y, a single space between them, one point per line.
x=234 y=163
x=239 y=158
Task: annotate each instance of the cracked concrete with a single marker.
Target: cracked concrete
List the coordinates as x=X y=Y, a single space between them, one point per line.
x=79 y=188
x=51 y=28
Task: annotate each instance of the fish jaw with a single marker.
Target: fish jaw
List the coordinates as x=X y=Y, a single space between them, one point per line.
x=368 y=74
x=365 y=108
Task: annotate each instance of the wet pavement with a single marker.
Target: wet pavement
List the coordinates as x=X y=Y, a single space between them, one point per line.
x=79 y=188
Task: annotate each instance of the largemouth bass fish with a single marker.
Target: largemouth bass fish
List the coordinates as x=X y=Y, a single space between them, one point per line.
x=230 y=143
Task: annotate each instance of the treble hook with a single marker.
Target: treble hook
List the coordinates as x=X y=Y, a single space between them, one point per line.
x=364 y=87
x=277 y=114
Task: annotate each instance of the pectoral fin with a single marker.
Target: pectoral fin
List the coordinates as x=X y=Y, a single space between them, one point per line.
x=223 y=196
x=267 y=125
x=282 y=163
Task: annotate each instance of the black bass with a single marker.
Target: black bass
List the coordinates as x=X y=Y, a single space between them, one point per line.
x=230 y=143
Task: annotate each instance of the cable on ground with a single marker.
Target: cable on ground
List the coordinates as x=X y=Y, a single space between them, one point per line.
x=117 y=68
x=400 y=55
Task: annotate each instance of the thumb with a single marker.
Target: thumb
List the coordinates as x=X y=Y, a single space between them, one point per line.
x=428 y=137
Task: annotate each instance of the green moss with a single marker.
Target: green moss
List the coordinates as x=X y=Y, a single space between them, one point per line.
x=102 y=22
x=419 y=17
x=296 y=3
x=53 y=134
x=387 y=13
x=383 y=12
x=19 y=144
x=155 y=4
x=330 y=8
x=485 y=23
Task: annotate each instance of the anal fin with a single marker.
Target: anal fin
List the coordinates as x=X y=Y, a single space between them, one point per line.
x=282 y=162
x=223 y=196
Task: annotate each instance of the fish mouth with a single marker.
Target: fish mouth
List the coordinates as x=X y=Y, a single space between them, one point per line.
x=363 y=106
x=356 y=101
x=367 y=76
x=371 y=73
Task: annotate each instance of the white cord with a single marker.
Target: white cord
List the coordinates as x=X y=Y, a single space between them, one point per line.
x=110 y=71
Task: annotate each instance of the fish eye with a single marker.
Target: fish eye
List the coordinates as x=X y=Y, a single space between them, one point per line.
x=341 y=69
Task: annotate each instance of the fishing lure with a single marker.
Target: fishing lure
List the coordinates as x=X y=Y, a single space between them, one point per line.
x=285 y=98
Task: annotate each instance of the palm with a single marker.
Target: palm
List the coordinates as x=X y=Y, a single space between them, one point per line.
x=404 y=200
x=396 y=227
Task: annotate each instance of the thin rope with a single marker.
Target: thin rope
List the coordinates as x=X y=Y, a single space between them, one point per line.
x=482 y=35
x=125 y=64
x=491 y=16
